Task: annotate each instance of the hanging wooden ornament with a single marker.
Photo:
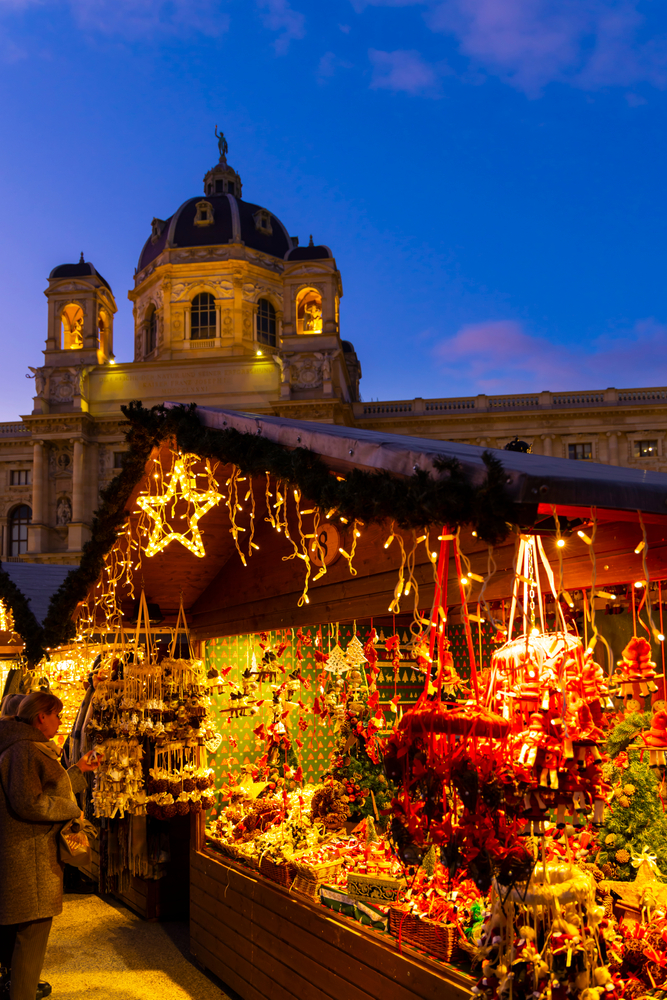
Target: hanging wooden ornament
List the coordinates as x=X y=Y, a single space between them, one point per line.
x=354 y=653
x=336 y=661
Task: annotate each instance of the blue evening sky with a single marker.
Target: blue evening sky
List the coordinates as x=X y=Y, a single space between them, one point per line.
x=490 y=174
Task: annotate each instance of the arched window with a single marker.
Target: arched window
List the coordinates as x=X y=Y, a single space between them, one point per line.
x=71 y=320
x=151 y=331
x=266 y=322
x=19 y=519
x=309 y=311
x=101 y=329
x=202 y=317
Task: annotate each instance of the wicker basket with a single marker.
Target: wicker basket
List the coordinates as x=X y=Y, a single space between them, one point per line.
x=229 y=850
x=308 y=887
x=280 y=873
x=439 y=940
x=316 y=871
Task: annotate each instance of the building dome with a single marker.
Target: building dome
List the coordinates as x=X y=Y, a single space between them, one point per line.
x=214 y=220
x=84 y=269
x=310 y=252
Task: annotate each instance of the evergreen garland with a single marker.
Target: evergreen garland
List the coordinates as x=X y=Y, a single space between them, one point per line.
x=452 y=499
x=25 y=623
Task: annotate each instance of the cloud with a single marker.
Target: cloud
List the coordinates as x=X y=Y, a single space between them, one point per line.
x=499 y=356
x=328 y=65
x=145 y=17
x=530 y=43
x=403 y=70
x=137 y=18
x=281 y=17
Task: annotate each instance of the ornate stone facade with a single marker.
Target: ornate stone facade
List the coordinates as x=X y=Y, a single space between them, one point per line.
x=230 y=311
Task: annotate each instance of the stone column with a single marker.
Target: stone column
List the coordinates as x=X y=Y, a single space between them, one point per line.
x=603 y=448
x=93 y=485
x=548 y=444
x=78 y=532
x=78 y=481
x=37 y=530
x=613 y=448
x=38 y=482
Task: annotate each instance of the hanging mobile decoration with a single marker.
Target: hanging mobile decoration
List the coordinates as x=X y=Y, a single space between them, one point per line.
x=636 y=670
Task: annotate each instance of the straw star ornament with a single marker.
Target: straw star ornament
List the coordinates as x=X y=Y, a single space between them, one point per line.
x=180 y=487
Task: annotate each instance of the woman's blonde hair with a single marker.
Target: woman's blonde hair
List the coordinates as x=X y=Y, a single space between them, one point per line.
x=36 y=702
x=10 y=704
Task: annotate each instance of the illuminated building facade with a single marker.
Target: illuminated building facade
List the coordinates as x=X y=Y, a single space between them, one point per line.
x=229 y=310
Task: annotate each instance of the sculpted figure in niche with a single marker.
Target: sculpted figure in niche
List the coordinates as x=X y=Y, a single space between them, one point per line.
x=63 y=511
x=309 y=311
x=39 y=375
x=72 y=326
x=285 y=365
x=325 y=359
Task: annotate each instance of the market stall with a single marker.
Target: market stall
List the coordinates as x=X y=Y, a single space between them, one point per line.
x=403 y=655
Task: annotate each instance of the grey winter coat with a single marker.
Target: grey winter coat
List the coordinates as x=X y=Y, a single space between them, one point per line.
x=36 y=799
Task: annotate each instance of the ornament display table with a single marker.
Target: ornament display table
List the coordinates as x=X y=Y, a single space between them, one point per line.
x=268 y=944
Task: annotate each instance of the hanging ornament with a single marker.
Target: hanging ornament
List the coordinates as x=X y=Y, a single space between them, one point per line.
x=181 y=488
x=354 y=653
x=636 y=670
x=336 y=661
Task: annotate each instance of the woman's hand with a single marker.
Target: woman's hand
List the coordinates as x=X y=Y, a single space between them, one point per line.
x=89 y=762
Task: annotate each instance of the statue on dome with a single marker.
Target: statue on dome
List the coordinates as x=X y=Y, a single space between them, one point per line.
x=222 y=143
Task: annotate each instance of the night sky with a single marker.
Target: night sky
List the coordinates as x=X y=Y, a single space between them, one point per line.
x=489 y=174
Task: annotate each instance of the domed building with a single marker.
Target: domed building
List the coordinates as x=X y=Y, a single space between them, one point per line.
x=221 y=279
x=231 y=311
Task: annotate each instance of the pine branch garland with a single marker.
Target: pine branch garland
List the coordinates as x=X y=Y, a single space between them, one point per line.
x=451 y=498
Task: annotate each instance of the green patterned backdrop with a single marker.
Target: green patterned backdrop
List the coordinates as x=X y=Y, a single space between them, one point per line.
x=240 y=747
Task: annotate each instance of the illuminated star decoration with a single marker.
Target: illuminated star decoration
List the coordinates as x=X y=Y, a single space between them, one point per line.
x=182 y=485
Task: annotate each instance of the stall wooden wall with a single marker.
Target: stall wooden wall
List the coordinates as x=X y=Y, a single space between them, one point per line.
x=264 y=594
x=268 y=945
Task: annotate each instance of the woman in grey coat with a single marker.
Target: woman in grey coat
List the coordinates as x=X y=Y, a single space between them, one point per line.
x=37 y=800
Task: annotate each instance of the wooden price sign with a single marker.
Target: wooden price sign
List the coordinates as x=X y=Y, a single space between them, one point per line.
x=324 y=548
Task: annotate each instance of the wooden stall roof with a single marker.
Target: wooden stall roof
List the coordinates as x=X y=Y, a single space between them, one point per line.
x=224 y=597
x=531 y=479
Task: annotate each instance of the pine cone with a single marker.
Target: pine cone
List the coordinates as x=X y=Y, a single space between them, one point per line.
x=622 y=856
x=624 y=801
x=633 y=988
x=629 y=789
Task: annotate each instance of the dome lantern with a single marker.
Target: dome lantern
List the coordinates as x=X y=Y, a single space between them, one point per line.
x=222 y=179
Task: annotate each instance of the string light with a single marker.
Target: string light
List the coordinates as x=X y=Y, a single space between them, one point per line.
x=560 y=542
x=182 y=485
x=585 y=538
x=639 y=547
x=6 y=617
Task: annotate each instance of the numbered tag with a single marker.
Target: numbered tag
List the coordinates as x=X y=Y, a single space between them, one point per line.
x=324 y=548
